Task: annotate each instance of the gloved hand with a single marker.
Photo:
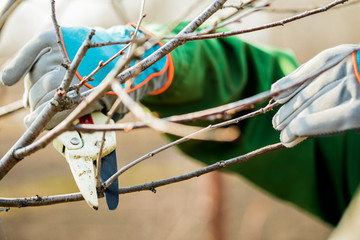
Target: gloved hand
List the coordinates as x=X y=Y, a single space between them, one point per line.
x=328 y=104
x=40 y=60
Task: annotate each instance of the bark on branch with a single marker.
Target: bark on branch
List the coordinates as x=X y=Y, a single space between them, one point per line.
x=50 y=200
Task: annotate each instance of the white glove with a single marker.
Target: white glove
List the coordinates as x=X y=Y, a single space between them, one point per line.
x=325 y=105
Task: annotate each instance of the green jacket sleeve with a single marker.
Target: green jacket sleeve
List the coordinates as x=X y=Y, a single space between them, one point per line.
x=319 y=175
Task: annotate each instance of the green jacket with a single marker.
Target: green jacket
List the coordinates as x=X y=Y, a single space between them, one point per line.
x=319 y=175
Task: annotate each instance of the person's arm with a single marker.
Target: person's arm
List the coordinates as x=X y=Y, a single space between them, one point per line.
x=319 y=175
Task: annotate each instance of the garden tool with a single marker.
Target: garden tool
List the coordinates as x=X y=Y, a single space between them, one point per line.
x=81 y=151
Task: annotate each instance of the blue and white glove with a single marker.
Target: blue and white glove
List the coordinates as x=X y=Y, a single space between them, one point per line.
x=40 y=62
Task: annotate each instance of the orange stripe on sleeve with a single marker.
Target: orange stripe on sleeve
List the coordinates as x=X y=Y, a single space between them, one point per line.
x=356 y=67
x=168 y=66
x=170 y=77
x=63 y=44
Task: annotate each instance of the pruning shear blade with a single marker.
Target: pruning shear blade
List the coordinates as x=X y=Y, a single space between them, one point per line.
x=81 y=151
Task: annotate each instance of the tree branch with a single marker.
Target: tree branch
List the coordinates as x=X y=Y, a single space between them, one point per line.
x=196 y=36
x=12 y=107
x=164 y=126
x=66 y=61
x=173 y=43
x=50 y=200
x=187 y=138
x=302 y=9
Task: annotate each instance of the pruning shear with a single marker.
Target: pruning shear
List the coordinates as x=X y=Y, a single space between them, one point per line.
x=81 y=151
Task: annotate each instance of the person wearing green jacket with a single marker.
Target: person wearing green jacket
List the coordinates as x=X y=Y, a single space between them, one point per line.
x=320 y=175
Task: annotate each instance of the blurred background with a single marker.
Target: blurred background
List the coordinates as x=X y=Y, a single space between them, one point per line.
x=214 y=206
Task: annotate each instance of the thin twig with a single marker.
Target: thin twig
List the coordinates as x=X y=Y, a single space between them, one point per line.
x=207 y=114
x=103 y=44
x=11 y=107
x=141 y=18
x=110 y=114
x=302 y=9
x=70 y=73
x=241 y=16
x=196 y=37
x=50 y=200
x=66 y=61
x=100 y=66
x=218 y=165
x=173 y=43
x=164 y=126
x=187 y=138
x=239 y=8
x=118 y=100
x=132 y=43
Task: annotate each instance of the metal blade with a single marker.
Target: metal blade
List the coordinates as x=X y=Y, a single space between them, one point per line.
x=84 y=175
x=108 y=168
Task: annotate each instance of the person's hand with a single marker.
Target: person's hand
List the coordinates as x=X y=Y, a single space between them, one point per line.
x=40 y=62
x=327 y=104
